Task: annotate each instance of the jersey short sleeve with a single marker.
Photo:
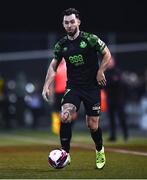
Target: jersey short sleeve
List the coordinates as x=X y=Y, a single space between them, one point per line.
x=96 y=42
x=57 y=52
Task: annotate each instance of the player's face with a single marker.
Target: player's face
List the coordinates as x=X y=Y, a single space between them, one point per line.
x=71 y=24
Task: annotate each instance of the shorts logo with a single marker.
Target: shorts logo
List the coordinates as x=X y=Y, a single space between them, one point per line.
x=67 y=91
x=96 y=107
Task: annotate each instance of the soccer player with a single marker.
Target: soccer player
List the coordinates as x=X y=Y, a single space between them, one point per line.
x=85 y=75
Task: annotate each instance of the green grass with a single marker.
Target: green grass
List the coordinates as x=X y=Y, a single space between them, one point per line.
x=23 y=155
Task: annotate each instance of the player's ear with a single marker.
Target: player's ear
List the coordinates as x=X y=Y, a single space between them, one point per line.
x=79 y=21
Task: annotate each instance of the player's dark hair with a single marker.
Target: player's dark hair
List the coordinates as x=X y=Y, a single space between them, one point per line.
x=70 y=11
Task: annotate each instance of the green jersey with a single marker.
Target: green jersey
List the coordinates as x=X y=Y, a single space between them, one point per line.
x=81 y=56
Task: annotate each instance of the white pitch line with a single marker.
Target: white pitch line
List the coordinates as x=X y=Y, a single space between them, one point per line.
x=123 y=151
x=79 y=145
x=30 y=139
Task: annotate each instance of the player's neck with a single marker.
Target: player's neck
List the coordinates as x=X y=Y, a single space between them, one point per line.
x=75 y=36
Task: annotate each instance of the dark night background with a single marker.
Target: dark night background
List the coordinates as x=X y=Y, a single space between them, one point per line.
x=44 y=16
x=25 y=25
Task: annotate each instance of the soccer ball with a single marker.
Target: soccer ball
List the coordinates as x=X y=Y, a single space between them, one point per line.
x=58 y=158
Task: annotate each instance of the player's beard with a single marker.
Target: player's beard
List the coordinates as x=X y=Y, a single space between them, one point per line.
x=72 y=33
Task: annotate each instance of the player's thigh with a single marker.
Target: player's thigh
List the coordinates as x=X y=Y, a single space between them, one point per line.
x=70 y=97
x=91 y=101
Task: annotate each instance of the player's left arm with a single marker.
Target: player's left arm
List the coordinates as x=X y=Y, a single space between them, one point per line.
x=103 y=66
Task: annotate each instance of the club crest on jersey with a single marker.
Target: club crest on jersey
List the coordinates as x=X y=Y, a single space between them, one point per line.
x=83 y=44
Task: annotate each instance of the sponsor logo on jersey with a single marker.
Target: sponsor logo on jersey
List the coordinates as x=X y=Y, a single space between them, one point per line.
x=76 y=59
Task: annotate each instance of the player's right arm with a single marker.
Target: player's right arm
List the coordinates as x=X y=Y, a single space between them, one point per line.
x=47 y=88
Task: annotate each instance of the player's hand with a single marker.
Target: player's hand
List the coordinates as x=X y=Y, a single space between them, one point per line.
x=46 y=93
x=101 y=78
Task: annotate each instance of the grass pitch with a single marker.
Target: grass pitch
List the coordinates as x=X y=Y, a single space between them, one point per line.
x=23 y=155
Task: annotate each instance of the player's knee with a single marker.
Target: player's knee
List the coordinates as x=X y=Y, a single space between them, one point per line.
x=68 y=112
x=65 y=115
x=93 y=123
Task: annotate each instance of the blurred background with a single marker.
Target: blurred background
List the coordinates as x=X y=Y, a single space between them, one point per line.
x=28 y=32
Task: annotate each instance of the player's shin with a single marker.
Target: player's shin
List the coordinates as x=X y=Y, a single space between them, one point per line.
x=65 y=135
x=97 y=138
